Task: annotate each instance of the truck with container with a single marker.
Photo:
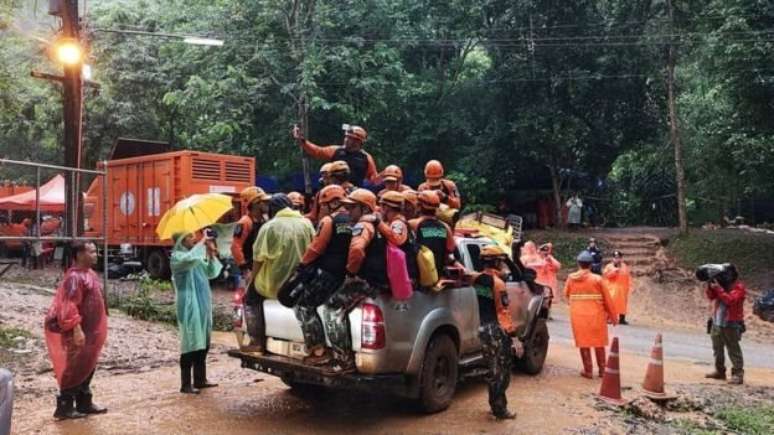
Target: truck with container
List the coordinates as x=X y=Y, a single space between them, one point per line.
x=144 y=180
x=418 y=348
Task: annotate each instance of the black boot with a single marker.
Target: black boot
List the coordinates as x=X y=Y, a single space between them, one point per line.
x=200 y=375
x=84 y=405
x=65 y=409
x=622 y=320
x=185 y=382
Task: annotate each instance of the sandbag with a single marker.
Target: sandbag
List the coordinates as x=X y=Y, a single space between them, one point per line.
x=428 y=273
x=397 y=273
x=763 y=307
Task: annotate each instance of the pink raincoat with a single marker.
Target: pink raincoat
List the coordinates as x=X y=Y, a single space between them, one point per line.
x=78 y=300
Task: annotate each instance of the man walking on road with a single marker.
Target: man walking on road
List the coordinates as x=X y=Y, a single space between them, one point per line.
x=727 y=324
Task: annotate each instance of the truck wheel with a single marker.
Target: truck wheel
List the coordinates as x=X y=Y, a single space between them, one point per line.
x=535 y=351
x=439 y=374
x=157 y=264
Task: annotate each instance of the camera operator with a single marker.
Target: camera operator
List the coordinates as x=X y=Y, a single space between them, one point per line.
x=726 y=325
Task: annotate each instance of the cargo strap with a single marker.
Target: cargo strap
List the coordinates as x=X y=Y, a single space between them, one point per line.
x=586 y=297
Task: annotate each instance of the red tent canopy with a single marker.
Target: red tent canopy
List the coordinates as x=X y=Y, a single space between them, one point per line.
x=52 y=197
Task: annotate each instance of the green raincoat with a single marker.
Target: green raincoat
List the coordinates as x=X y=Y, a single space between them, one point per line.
x=280 y=244
x=192 y=271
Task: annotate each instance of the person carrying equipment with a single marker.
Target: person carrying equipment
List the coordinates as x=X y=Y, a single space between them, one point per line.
x=431 y=233
x=496 y=328
x=590 y=309
x=360 y=162
x=393 y=180
x=327 y=255
x=618 y=279
x=297 y=201
x=446 y=189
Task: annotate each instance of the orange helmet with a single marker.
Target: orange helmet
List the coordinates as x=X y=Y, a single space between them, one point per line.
x=296 y=199
x=363 y=197
x=357 y=132
x=325 y=168
x=428 y=199
x=411 y=196
x=332 y=192
x=492 y=251
x=433 y=169
x=252 y=194
x=339 y=166
x=392 y=173
x=393 y=199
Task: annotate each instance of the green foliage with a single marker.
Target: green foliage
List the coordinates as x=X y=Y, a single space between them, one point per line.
x=752 y=421
x=8 y=334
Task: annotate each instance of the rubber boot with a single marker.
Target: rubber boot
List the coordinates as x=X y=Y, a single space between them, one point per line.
x=84 y=405
x=737 y=377
x=200 y=375
x=717 y=374
x=600 y=354
x=588 y=365
x=506 y=415
x=65 y=409
x=185 y=383
x=622 y=320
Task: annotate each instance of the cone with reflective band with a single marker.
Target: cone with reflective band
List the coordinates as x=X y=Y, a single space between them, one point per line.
x=653 y=385
x=610 y=391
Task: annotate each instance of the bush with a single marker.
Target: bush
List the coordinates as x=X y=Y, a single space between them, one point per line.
x=749 y=420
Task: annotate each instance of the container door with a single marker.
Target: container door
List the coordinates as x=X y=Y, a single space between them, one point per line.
x=157 y=184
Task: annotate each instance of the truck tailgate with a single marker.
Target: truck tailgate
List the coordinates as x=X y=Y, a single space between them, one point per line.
x=281 y=322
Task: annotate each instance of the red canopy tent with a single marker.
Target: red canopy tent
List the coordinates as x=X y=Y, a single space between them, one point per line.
x=52 y=197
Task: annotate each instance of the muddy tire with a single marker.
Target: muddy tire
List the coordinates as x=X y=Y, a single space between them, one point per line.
x=157 y=264
x=535 y=351
x=439 y=374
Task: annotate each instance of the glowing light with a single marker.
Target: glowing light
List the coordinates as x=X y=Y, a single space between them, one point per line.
x=202 y=41
x=68 y=52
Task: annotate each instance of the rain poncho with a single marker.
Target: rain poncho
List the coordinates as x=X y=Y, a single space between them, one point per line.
x=590 y=308
x=575 y=207
x=192 y=271
x=618 y=281
x=78 y=301
x=546 y=275
x=280 y=244
x=530 y=257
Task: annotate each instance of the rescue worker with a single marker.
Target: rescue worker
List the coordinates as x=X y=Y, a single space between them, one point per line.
x=446 y=189
x=245 y=233
x=590 y=309
x=276 y=254
x=727 y=293
x=366 y=276
x=618 y=279
x=324 y=180
x=529 y=256
x=546 y=275
x=411 y=204
x=339 y=173
x=193 y=265
x=361 y=163
x=297 y=201
x=496 y=328
x=437 y=236
x=394 y=227
x=75 y=330
x=596 y=253
x=393 y=180
x=327 y=254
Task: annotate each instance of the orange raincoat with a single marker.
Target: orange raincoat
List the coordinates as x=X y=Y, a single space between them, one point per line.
x=530 y=257
x=546 y=273
x=590 y=308
x=618 y=281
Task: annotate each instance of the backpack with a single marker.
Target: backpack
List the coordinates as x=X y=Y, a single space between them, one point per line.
x=428 y=273
x=397 y=273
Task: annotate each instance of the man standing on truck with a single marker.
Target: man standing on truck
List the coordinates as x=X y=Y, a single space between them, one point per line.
x=445 y=188
x=327 y=255
x=276 y=254
x=360 y=162
x=430 y=232
x=496 y=328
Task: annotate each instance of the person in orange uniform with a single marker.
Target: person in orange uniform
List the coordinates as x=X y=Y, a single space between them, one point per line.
x=395 y=228
x=546 y=275
x=324 y=180
x=411 y=205
x=447 y=190
x=431 y=232
x=496 y=328
x=393 y=180
x=360 y=162
x=339 y=174
x=618 y=279
x=297 y=201
x=327 y=254
x=590 y=309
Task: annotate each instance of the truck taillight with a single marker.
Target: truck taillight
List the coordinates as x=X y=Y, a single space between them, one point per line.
x=237 y=314
x=372 y=333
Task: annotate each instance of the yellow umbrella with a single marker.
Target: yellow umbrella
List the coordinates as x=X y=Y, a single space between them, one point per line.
x=193 y=213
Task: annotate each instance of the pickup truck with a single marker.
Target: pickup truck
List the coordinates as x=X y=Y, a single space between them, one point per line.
x=419 y=348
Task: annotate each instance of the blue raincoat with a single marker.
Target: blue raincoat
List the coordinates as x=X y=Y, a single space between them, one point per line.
x=192 y=271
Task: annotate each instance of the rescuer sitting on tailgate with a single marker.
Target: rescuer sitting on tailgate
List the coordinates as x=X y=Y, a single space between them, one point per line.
x=245 y=233
x=447 y=190
x=366 y=276
x=431 y=232
x=393 y=180
x=328 y=255
x=496 y=328
x=360 y=162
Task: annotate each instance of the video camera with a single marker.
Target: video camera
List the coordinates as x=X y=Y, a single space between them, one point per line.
x=725 y=274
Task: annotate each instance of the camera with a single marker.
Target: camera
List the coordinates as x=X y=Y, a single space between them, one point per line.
x=725 y=274
x=210 y=233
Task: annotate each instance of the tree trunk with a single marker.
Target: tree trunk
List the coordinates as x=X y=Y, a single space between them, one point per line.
x=674 y=132
x=556 y=185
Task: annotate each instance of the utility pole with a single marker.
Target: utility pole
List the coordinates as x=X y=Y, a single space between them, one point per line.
x=674 y=129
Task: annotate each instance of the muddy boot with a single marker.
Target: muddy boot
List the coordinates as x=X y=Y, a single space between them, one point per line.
x=200 y=376
x=599 y=352
x=622 y=320
x=588 y=365
x=717 y=374
x=737 y=377
x=84 y=405
x=505 y=415
x=65 y=409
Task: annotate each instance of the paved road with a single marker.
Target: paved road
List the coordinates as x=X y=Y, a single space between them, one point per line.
x=683 y=345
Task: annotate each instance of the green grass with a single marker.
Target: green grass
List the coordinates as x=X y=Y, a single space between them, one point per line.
x=690 y=427
x=567 y=246
x=752 y=253
x=7 y=335
x=753 y=421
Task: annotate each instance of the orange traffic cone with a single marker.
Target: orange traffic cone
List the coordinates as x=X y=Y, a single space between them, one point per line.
x=653 y=385
x=610 y=391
